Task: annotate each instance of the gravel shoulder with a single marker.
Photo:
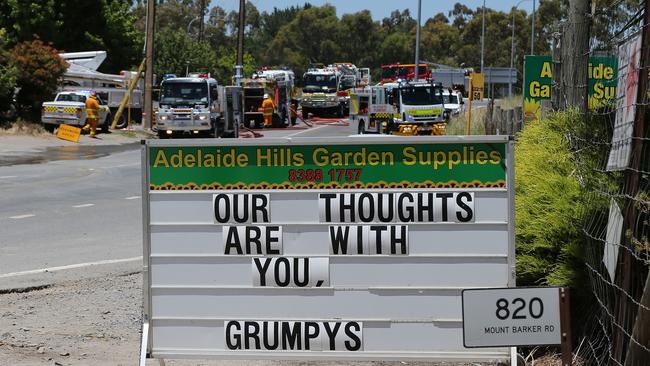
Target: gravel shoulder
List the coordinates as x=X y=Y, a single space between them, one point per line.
x=94 y=321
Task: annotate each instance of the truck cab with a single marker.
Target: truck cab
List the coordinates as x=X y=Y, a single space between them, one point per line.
x=453 y=102
x=325 y=90
x=419 y=107
x=188 y=105
x=319 y=93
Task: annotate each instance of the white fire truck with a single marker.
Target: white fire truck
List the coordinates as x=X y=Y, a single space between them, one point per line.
x=189 y=105
x=409 y=108
x=325 y=90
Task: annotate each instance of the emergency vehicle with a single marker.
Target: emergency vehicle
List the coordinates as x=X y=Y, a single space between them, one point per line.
x=189 y=105
x=404 y=108
x=453 y=100
x=393 y=72
x=325 y=90
x=69 y=108
x=276 y=82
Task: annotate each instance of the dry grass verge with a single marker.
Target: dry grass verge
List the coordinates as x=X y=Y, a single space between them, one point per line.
x=23 y=128
x=458 y=124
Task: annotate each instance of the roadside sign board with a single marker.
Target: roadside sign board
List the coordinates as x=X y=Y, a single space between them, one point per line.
x=538 y=79
x=511 y=317
x=69 y=133
x=478 y=86
x=350 y=248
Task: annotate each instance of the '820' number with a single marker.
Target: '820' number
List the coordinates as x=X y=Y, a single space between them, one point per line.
x=535 y=308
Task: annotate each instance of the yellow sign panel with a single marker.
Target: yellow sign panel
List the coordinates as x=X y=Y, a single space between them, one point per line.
x=69 y=133
x=477 y=81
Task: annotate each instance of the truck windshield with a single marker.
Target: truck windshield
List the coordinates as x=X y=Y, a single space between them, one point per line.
x=451 y=99
x=421 y=95
x=71 y=98
x=347 y=83
x=183 y=93
x=320 y=83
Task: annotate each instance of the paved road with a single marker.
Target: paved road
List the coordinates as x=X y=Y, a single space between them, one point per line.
x=71 y=213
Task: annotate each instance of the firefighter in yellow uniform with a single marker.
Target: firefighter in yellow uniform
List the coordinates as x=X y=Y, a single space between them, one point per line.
x=268 y=107
x=92 y=113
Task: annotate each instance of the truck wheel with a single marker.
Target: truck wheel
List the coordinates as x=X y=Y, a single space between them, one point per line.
x=342 y=110
x=48 y=127
x=362 y=127
x=162 y=134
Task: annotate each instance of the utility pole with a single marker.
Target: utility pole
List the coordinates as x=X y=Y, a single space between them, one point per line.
x=483 y=38
x=512 y=48
x=636 y=355
x=532 y=32
x=148 y=73
x=417 y=43
x=575 y=56
x=557 y=92
x=239 y=67
x=202 y=20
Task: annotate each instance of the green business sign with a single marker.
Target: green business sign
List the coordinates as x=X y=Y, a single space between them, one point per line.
x=423 y=165
x=538 y=78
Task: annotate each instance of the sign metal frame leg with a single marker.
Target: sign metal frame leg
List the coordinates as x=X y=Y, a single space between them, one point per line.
x=565 y=321
x=144 y=341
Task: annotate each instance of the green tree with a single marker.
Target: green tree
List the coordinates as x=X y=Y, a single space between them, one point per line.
x=270 y=24
x=77 y=25
x=360 y=36
x=8 y=74
x=216 y=29
x=24 y=19
x=39 y=69
x=460 y=14
x=120 y=37
x=225 y=66
x=399 y=22
x=176 y=52
x=397 y=47
x=439 y=41
x=312 y=36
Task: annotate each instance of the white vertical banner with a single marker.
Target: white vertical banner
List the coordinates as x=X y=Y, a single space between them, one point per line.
x=629 y=59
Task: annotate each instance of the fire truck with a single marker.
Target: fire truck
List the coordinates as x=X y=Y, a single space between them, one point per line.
x=277 y=83
x=404 y=108
x=394 y=72
x=189 y=105
x=325 y=90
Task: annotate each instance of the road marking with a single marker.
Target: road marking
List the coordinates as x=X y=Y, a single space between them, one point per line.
x=307 y=130
x=121 y=166
x=132 y=198
x=8 y=176
x=70 y=266
x=22 y=216
x=84 y=205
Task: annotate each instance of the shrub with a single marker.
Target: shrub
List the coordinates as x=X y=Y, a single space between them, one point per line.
x=552 y=206
x=39 y=69
x=8 y=75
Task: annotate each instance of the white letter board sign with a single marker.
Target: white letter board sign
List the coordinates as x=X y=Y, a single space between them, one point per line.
x=323 y=249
